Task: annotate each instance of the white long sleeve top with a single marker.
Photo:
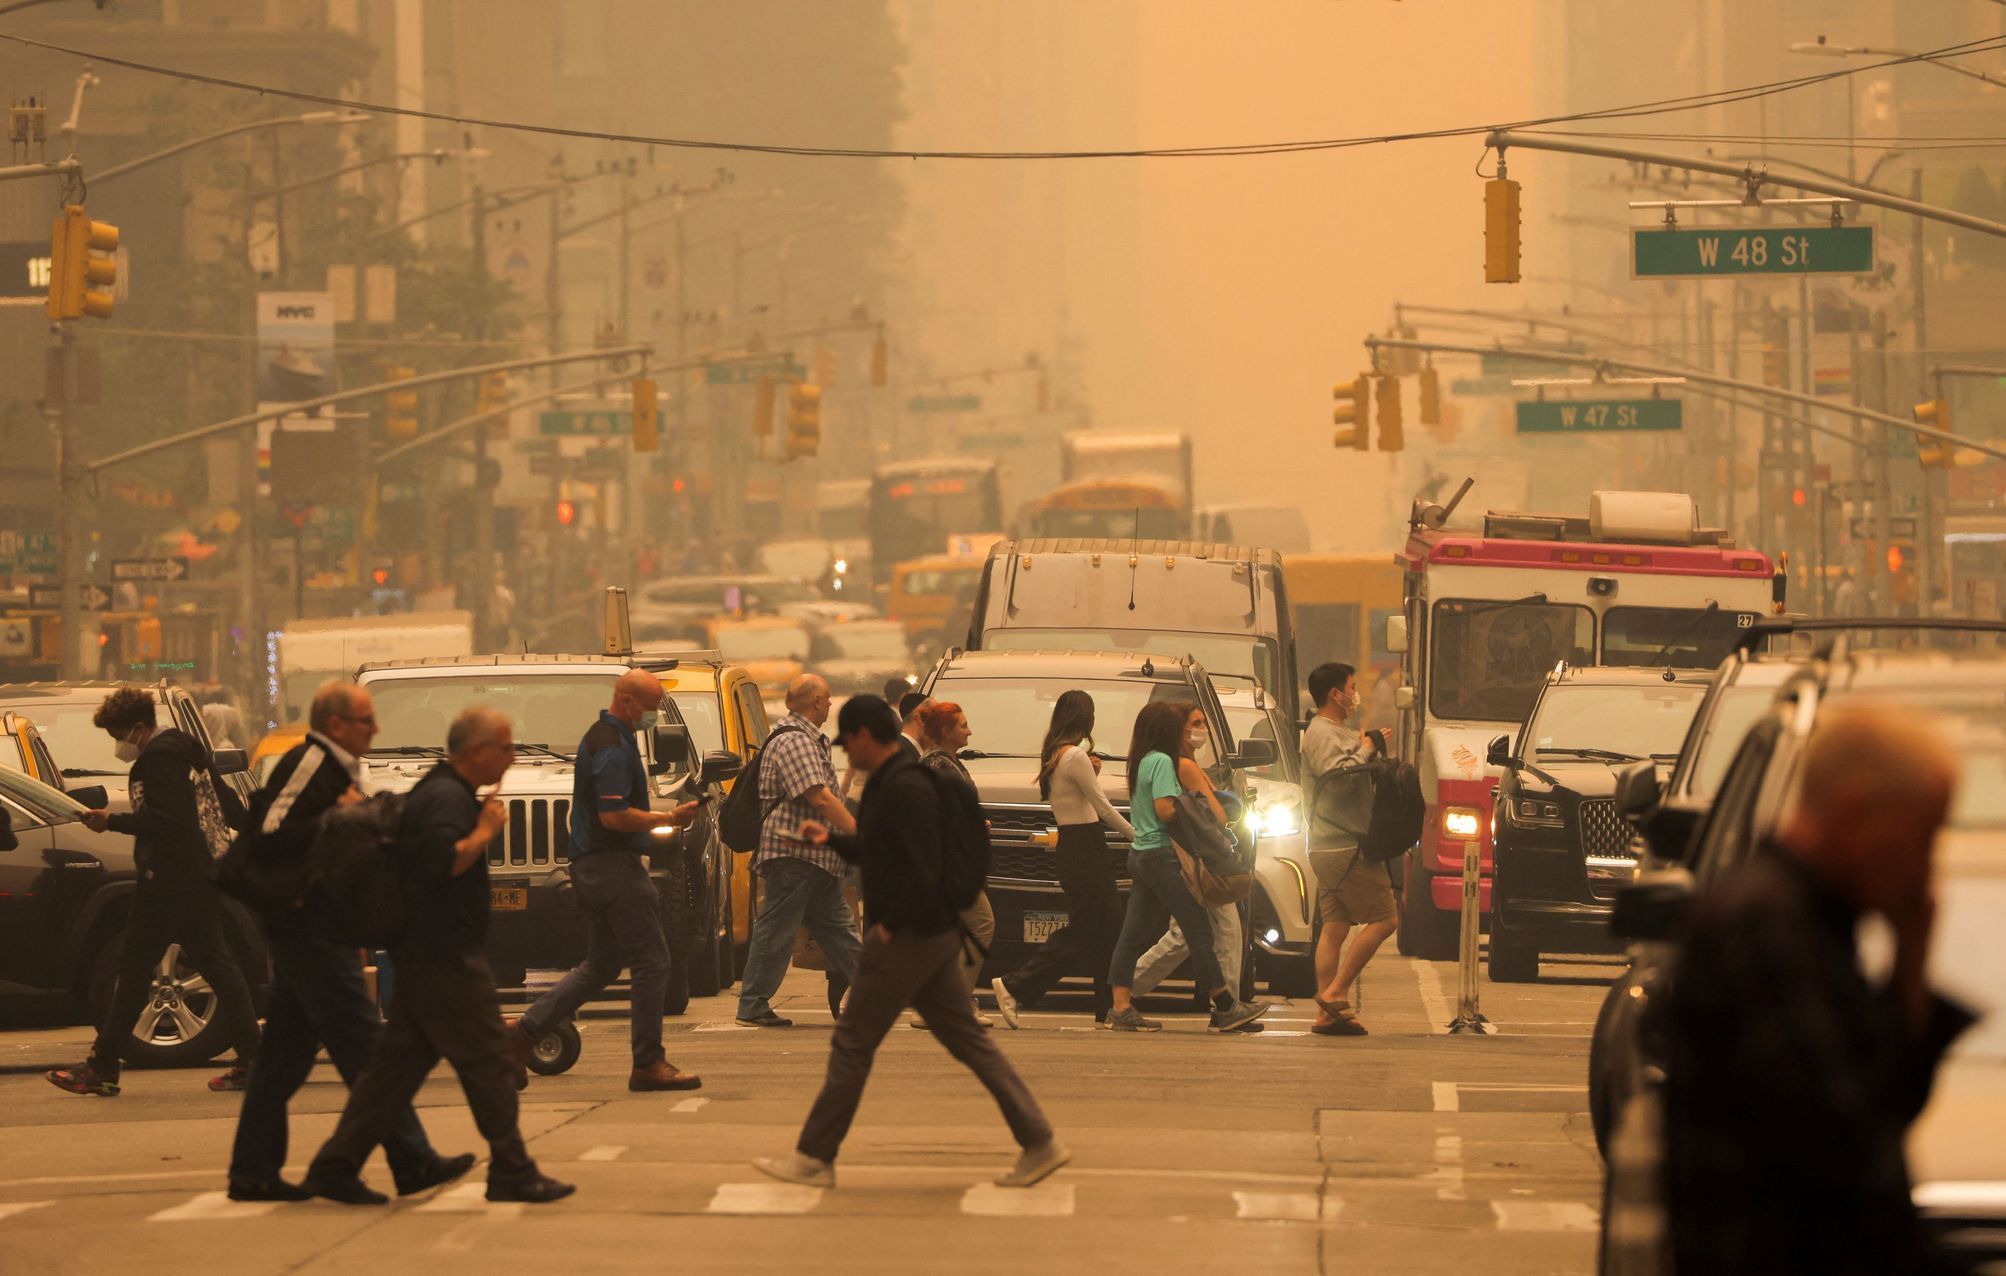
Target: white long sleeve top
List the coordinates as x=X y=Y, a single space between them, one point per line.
x=1077 y=796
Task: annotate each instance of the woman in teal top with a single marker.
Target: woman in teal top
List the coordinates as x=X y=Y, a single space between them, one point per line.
x=1156 y=888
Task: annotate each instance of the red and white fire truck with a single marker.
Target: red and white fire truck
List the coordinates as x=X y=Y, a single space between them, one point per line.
x=1489 y=613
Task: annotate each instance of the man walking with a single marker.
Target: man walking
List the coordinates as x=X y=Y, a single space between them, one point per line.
x=803 y=882
x=911 y=957
x=1350 y=892
x=319 y=996
x=445 y=1002
x=611 y=832
x=178 y=826
x=1791 y=1080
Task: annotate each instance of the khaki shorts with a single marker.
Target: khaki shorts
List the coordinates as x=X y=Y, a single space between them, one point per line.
x=1351 y=892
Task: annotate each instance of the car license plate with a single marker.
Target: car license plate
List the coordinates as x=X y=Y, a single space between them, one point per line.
x=1039 y=927
x=508 y=899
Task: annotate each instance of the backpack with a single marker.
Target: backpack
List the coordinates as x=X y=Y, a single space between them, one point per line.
x=741 y=814
x=1207 y=860
x=246 y=873
x=1397 y=812
x=355 y=871
x=964 y=840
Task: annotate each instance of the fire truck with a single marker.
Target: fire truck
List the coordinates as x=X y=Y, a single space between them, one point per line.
x=1488 y=613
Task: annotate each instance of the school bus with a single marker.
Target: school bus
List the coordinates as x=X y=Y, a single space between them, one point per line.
x=1341 y=602
x=1107 y=509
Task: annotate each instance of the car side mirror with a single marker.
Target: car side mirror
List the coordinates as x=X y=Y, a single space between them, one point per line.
x=1403 y=698
x=92 y=796
x=1638 y=792
x=672 y=749
x=720 y=765
x=1653 y=908
x=1253 y=754
x=9 y=841
x=1499 y=754
x=1396 y=634
x=231 y=761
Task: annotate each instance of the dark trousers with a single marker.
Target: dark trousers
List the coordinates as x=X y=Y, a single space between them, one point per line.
x=318 y=998
x=923 y=972
x=1155 y=895
x=1093 y=918
x=623 y=929
x=445 y=1006
x=167 y=912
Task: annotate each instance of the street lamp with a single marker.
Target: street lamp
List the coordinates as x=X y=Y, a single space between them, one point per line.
x=311 y=117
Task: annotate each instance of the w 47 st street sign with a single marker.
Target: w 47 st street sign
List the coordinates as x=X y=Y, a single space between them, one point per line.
x=1752 y=250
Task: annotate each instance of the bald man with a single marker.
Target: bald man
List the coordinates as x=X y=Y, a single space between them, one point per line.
x=612 y=833
x=1791 y=1078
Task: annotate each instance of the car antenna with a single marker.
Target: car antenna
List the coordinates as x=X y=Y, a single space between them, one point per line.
x=1712 y=606
x=1134 y=551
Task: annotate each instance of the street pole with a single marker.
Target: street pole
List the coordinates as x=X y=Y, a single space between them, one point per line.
x=1931 y=539
x=69 y=509
x=484 y=494
x=1807 y=473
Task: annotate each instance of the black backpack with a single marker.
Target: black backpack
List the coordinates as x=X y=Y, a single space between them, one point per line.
x=355 y=871
x=741 y=814
x=1397 y=811
x=964 y=840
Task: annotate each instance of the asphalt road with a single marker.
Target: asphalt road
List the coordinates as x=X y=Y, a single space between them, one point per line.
x=1406 y=1151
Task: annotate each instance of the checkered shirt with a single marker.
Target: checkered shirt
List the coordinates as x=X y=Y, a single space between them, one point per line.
x=795 y=763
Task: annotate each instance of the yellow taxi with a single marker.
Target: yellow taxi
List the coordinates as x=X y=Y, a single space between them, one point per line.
x=924 y=591
x=773 y=650
x=23 y=749
x=275 y=745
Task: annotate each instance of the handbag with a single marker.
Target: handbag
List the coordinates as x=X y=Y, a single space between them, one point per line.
x=1207 y=858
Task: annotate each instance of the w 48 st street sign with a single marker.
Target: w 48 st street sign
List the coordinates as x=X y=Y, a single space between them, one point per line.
x=1752 y=250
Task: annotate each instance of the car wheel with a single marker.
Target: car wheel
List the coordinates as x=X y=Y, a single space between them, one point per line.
x=726 y=941
x=1511 y=963
x=179 y=1023
x=701 y=944
x=555 y=1051
x=1425 y=931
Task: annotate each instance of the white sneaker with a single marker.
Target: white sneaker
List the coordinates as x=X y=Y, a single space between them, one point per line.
x=798 y=1167
x=1035 y=1164
x=980 y=1018
x=1006 y=1005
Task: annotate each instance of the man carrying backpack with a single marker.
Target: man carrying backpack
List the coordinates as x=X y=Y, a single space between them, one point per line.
x=911 y=956
x=1351 y=890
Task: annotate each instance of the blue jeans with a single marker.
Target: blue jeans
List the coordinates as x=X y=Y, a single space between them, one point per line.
x=796 y=894
x=1156 y=894
x=623 y=930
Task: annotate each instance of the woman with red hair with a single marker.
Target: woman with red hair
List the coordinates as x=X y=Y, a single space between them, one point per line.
x=943 y=734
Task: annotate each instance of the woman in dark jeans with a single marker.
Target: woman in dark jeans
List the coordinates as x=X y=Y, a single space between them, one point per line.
x=943 y=733
x=1069 y=778
x=1156 y=888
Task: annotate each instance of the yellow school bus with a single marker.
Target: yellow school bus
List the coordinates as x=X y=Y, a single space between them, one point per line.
x=1340 y=603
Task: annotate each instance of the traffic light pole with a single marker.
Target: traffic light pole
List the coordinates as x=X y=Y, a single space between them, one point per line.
x=69 y=512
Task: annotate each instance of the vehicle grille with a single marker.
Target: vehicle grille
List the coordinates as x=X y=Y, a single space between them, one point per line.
x=1020 y=849
x=1602 y=830
x=537 y=835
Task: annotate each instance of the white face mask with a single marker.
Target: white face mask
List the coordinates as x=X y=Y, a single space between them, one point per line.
x=1357 y=700
x=1195 y=739
x=125 y=751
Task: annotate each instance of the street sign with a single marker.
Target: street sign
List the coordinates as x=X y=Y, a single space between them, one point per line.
x=17 y=637
x=606 y=421
x=149 y=569
x=1585 y=416
x=546 y=464
x=944 y=403
x=747 y=371
x=602 y=462
x=96 y=597
x=1752 y=250
x=1477 y=387
x=1496 y=363
x=1901 y=529
x=24 y=271
x=27 y=552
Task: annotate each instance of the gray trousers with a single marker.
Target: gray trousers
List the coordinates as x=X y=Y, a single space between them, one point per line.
x=923 y=972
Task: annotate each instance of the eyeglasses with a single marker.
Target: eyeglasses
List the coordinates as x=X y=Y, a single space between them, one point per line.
x=367 y=720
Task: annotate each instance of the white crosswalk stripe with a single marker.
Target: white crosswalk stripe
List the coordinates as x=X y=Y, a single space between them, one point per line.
x=1287 y=1207
x=212 y=1207
x=763 y=1198
x=1046 y=1200
x=10 y=1208
x=1544 y=1216
x=470 y=1198
x=609 y=1153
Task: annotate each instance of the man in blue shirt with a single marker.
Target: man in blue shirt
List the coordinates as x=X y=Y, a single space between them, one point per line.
x=612 y=827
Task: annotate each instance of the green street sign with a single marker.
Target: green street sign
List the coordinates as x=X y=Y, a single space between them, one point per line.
x=584 y=423
x=1598 y=416
x=944 y=403
x=1762 y=250
x=748 y=371
x=1478 y=387
x=1496 y=363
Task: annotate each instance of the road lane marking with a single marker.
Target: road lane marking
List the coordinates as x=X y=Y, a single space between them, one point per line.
x=608 y=1153
x=1449 y=1167
x=1287 y=1207
x=1432 y=999
x=470 y=1198
x=724 y=1025
x=1046 y=1200
x=689 y=1105
x=11 y=1208
x=1447 y=1098
x=763 y=1198
x=1448 y=1094
x=1543 y=1216
x=212 y=1207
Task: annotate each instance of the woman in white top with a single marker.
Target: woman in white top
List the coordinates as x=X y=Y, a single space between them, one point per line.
x=1069 y=778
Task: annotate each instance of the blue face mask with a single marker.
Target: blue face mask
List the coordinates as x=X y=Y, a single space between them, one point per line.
x=650 y=718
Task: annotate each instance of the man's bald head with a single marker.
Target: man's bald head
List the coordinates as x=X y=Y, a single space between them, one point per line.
x=808 y=697
x=636 y=692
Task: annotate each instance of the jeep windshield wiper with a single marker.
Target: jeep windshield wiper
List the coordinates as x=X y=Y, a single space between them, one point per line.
x=543 y=749
x=75 y=772
x=1600 y=755
x=977 y=753
x=410 y=750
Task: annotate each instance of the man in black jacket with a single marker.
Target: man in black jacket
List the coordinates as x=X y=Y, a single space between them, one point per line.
x=178 y=825
x=445 y=1002
x=911 y=957
x=319 y=996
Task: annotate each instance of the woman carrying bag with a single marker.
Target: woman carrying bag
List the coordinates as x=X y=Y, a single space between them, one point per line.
x=943 y=734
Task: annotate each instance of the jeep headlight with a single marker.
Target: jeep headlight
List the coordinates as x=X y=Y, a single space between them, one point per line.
x=1276 y=819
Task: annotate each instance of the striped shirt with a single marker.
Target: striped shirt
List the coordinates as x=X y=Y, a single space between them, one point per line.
x=795 y=764
x=319 y=752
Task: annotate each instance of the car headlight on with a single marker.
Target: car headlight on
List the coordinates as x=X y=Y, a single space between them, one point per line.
x=1462 y=823
x=1528 y=812
x=1280 y=819
x=840 y=566
x=663 y=831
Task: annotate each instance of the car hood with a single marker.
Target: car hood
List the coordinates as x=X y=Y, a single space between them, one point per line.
x=1587 y=779
x=524 y=779
x=1014 y=781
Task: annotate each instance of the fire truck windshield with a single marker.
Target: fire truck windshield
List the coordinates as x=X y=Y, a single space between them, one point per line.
x=1488 y=658
x=1683 y=637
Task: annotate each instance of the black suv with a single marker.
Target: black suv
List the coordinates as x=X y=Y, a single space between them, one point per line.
x=1562 y=851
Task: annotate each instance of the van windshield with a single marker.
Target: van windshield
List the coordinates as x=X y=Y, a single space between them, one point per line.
x=1010 y=715
x=1222 y=655
x=1489 y=656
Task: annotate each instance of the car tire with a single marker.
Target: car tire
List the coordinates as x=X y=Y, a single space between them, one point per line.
x=1425 y=931
x=1511 y=963
x=180 y=1029
x=555 y=1051
x=702 y=946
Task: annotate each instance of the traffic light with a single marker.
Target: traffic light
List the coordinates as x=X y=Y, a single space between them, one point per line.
x=647 y=421
x=1431 y=397
x=493 y=392
x=1775 y=365
x=400 y=407
x=1392 y=435
x=566 y=512
x=881 y=356
x=762 y=407
x=1354 y=408
x=804 y=419
x=1934 y=454
x=82 y=270
x=1500 y=231
x=824 y=365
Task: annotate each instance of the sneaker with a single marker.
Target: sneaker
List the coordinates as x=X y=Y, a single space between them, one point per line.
x=797 y=1167
x=237 y=1078
x=1035 y=1164
x=982 y=1020
x=1237 y=1015
x=764 y=1019
x=84 y=1078
x=1006 y=1005
x=1251 y=1027
x=1131 y=1020
x=916 y=1022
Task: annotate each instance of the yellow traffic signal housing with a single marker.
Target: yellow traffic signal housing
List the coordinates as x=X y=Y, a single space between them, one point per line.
x=880 y=363
x=1934 y=454
x=804 y=419
x=82 y=270
x=1775 y=365
x=1501 y=231
x=647 y=419
x=493 y=392
x=1431 y=397
x=825 y=366
x=1392 y=432
x=762 y=407
x=400 y=407
x=1354 y=408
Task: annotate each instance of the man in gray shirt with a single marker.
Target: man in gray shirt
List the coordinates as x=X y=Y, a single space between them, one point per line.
x=1350 y=892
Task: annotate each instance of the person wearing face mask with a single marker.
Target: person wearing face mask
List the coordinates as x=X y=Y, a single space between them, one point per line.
x=1350 y=893
x=179 y=822
x=612 y=828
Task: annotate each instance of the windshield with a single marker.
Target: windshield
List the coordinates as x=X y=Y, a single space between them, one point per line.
x=51 y=806
x=1637 y=722
x=1490 y=655
x=939 y=582
x=763 y=642
x=1682 y=637
x=883 y=643
x=1222 y=655
x=699 y=710
x=915 y=515
x=552 y=709
x=1009 y=715
x=1148 y=524
x=78 y=747
x=1737 y=711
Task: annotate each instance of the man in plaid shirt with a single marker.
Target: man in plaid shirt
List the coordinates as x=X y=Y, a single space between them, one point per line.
x=803 y=883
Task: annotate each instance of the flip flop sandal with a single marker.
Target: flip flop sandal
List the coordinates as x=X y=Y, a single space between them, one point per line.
x=1335 y=1009
x=1343 y=1027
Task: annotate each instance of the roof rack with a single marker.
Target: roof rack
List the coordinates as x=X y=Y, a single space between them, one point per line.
x=1771 y=627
